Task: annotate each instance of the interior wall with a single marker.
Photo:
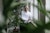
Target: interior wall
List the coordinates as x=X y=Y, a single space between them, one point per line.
x=46 y=18
x=47 y=8
x=35 y=10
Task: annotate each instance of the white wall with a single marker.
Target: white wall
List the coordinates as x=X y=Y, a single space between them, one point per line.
x=46 y=18
x=35 y=11
x=47 y=8
x=48 y=4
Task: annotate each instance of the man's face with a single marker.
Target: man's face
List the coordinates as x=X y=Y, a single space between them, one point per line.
x=25 y=9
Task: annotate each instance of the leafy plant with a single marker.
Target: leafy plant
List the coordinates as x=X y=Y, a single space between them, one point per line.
x=8 y=11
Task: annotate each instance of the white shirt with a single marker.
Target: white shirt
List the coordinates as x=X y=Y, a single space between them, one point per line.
x=25 y=15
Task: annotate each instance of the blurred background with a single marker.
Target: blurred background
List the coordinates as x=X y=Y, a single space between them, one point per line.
x=11 y=9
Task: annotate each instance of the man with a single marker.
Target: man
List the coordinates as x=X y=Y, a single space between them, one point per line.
x=26 y=15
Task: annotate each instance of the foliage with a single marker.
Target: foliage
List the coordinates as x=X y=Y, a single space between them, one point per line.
x=8 y=11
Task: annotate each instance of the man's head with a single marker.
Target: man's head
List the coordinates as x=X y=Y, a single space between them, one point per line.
x=25 y=8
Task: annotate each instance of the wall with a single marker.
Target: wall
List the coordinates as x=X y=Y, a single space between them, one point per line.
x=48 y=8
x=46 y=18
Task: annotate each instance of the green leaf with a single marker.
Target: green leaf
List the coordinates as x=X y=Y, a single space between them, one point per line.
x=6 y=5
x=47 y=26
